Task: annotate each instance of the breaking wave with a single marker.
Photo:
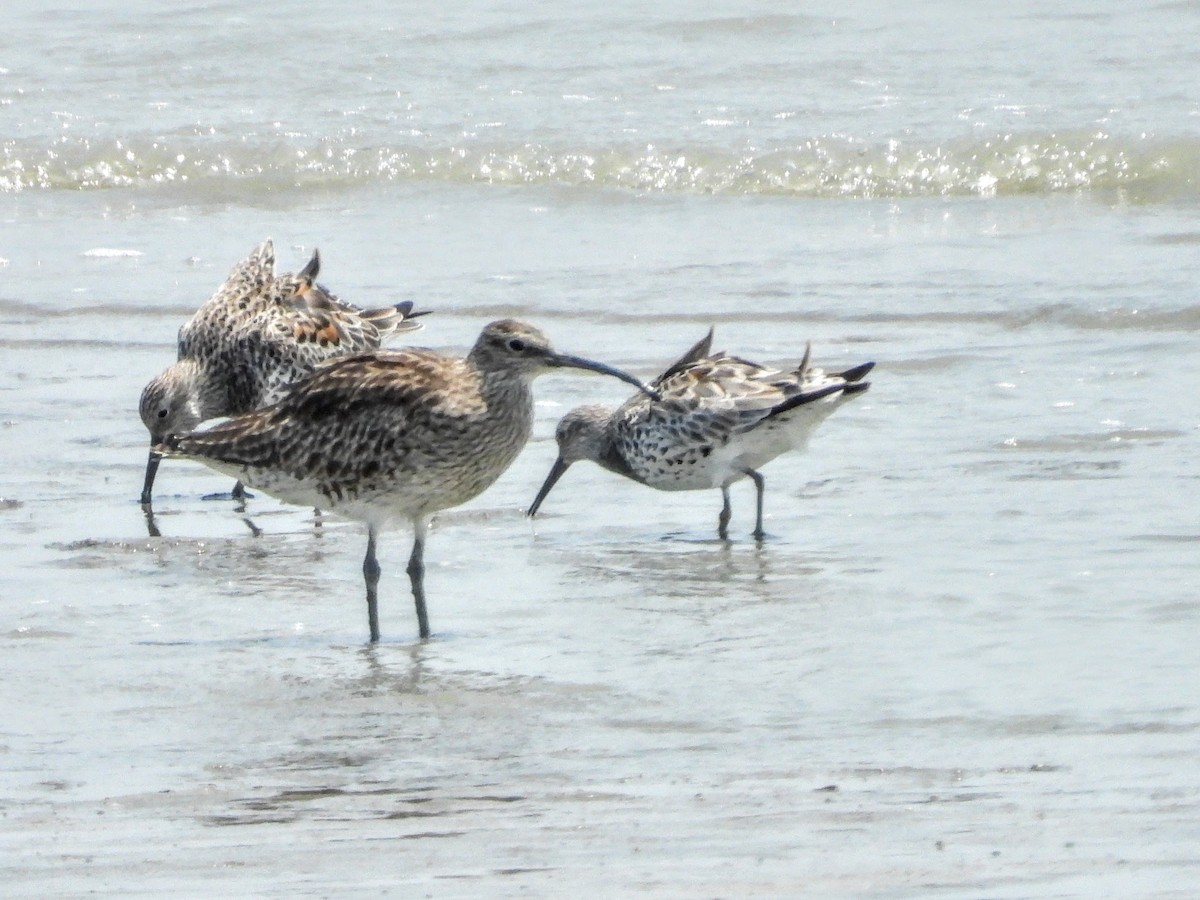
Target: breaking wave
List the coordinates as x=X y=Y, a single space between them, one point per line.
x=1143 y=170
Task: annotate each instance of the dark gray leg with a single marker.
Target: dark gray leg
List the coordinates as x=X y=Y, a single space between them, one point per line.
x=371 y=572
x=238 y=494
x=759 y=485
x=416 y=574
x=723 y=519
x=151 y=525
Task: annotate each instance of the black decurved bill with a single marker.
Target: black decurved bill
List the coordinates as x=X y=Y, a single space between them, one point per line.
x=578 y=362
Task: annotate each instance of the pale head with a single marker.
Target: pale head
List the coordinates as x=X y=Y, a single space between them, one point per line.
x=512 y=345
x=581 y=434
x=170 y=405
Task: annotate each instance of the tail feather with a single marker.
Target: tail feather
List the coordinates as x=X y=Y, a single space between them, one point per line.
x=247 y=440
x=804 y=398
x=857 y=373
x=846 y=383
x=395 y=319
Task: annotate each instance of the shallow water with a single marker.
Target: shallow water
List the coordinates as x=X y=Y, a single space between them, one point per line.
x=962 y=664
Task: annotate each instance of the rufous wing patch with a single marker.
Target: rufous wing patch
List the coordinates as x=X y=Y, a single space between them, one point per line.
x=323 y=330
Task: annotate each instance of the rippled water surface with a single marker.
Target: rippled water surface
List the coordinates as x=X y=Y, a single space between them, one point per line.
x=962 y=664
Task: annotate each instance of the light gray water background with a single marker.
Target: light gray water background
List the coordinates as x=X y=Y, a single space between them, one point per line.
x=964 y=663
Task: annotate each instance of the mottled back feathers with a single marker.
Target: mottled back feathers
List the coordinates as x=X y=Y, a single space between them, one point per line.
x=391 y=433
x=719 y=416
x=258 y=333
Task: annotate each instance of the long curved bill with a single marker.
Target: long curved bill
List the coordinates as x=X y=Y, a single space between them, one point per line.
x=578 y=362
x=151 y=470
x=556 y=472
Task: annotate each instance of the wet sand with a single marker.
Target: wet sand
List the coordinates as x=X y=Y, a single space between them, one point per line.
x=962 y=664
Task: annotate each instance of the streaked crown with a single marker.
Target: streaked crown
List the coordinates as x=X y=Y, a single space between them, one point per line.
x=583 y=433
x=510 y=344
x=170 y=404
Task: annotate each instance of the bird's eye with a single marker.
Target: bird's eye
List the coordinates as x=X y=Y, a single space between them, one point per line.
x=162 y=413
x=516 y=345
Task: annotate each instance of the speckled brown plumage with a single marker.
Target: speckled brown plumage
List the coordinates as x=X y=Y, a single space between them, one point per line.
x=392 y=435
x=257 y=334
x=719 y=418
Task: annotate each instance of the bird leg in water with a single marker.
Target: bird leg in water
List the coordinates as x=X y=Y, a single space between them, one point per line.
x=726 y=512
x=759 y=486
x=371 y=571
x=416 y=574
